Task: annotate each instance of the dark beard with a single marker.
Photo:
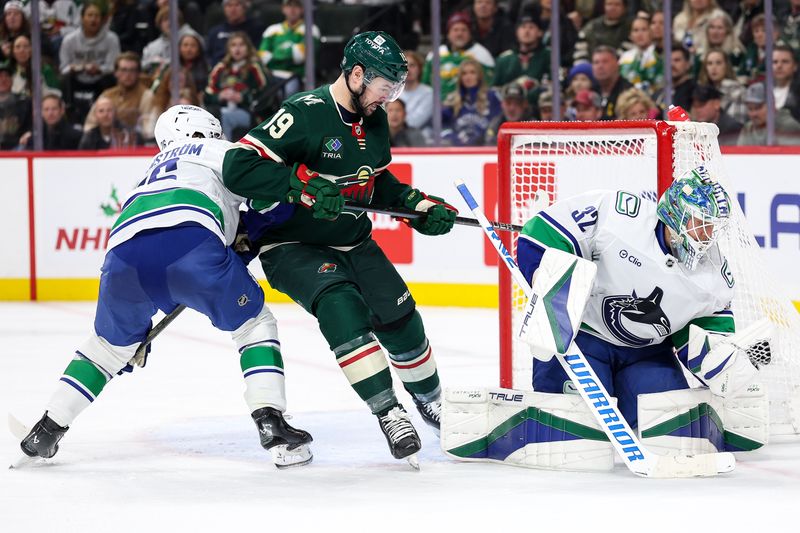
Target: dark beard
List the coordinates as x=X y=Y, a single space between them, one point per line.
x=356 y=101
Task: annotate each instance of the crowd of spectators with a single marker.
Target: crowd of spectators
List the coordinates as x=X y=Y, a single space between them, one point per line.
x=106 y=73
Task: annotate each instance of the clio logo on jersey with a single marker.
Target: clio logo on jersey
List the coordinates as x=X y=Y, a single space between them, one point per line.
x=623 y=254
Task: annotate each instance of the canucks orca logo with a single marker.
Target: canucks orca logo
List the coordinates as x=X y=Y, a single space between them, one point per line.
x=625 y=316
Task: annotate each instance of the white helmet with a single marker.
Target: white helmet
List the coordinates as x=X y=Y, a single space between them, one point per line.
x=181 y=122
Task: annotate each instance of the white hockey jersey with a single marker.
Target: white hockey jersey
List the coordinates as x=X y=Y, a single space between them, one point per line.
x=642 y=295
x=183 y=184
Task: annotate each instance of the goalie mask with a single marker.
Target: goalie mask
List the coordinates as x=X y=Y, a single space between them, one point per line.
x=182 y=122
x=697 y=210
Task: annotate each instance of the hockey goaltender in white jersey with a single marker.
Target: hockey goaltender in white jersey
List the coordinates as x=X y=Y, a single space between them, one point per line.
x=659 y=309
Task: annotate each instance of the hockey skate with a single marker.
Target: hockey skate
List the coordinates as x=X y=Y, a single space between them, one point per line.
x=431 y=413
x=42 y=440
x=288 y=446
x=400 y=434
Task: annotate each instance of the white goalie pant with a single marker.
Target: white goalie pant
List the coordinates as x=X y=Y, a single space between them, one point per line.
x=694 y=421
x=529 y=429
x=261 y=362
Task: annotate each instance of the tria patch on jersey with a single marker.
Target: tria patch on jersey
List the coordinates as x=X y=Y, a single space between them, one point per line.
x=332 y=147
x=623 y=315
x=327 y=267
x=242 y=301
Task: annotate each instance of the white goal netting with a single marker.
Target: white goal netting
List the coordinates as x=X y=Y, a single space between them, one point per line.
x=548 y=161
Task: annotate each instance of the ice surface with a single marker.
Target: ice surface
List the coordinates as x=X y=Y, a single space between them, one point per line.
x=172 y=448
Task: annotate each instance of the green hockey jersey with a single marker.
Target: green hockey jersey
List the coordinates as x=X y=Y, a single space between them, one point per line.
x=310 y=128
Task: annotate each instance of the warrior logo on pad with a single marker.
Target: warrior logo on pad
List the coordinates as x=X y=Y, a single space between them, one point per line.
x=625 y=316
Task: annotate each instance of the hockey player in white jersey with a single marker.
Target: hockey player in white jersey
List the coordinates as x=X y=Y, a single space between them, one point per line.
x=662 y=284
x=171 y=246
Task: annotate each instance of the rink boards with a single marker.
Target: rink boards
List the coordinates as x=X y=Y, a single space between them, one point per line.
x=57 y=211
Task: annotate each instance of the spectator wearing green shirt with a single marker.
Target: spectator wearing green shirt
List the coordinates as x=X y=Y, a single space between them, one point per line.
x=283 y=46
x=642 y=65
x=459 y=47
x=529 y=60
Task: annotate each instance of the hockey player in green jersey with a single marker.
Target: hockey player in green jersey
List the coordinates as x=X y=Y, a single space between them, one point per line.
x=328 y=145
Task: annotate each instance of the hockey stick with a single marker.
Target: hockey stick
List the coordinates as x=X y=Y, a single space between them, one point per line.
x=397 y=212
x=638 y=459
x=158 y=328
x=394 y=212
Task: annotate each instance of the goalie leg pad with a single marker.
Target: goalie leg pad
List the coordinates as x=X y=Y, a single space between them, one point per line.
x=694 y=421
x=261 y=362
x=746 y=419
x=681 y=422
x=529 y=429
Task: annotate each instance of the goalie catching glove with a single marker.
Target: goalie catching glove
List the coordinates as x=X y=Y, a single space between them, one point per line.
x=727 y=364
x=310 y=190
x=440 y=216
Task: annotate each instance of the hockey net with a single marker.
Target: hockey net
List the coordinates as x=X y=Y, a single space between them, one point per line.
x=540 y=162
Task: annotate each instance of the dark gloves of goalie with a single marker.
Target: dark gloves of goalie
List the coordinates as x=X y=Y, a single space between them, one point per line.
x=440 y=216
x=308 y=189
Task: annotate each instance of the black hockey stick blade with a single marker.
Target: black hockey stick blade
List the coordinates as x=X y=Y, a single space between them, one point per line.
x=397 y=212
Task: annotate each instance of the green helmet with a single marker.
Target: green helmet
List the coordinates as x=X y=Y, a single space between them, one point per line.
x=380 y=56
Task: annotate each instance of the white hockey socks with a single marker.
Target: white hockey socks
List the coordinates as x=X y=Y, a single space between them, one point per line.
x=95 y=363
x=261 y=362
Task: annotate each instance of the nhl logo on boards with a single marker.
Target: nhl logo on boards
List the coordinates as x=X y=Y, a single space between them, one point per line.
x=327 y=267
x=242 y=300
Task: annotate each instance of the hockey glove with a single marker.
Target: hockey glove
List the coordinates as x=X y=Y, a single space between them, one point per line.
x=243 y=246
x=308 y=189
x=440 y=215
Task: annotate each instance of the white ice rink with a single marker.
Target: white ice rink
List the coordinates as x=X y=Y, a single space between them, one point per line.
x=172 y=448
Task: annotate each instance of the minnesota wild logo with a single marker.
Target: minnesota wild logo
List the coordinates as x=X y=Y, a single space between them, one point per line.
x=114 y=207
x=358 y=186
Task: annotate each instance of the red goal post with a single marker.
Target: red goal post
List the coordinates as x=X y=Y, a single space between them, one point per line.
x=540 y=162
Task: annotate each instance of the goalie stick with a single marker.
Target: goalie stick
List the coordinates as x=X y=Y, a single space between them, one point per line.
x=638 y=459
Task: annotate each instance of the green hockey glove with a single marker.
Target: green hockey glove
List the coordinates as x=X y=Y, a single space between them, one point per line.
x=440 y=215
x=313 y=192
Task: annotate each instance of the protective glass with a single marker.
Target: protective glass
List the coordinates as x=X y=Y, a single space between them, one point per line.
x=385 y=90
